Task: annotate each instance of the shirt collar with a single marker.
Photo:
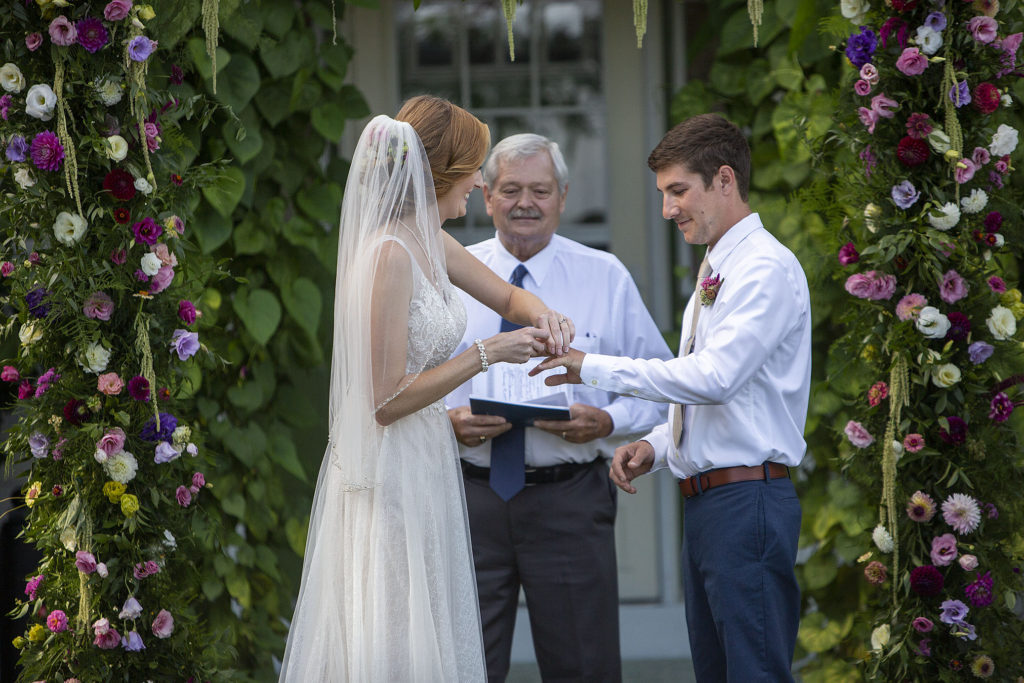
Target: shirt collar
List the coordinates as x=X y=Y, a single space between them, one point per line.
x=731 y=239
x=538 y=266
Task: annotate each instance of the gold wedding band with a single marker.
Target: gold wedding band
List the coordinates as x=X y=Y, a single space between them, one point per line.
x=482 y=438
x=563 y=435
x=561 y=321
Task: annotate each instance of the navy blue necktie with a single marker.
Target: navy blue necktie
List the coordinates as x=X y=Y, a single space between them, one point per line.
x=508 y=450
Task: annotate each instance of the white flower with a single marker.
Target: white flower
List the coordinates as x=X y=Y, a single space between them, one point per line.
x=94 y=359
x=974 y=202
x=880 y=637
x=939 y=141
x=11 y=78
x=854 y=10
x=24 y=178
x=928 y=39
x=121 y=467
x=169 y=539
x=116 y=148
x=1001 y=323
x=29 y=334
x=897 y=448
x=946 y=376
x=931 y=323
x=871 y=212
x=40 y=101
x=192 y=450
x=1006 y=100
x=882 y=539
x=1004 y=141
x=69 y=227
x=150 y=264
x=948 y=217
x=101 y=569
x=181 y=435
x=131 y=609
x=143 y=186
x=999 y=240
x=101 y=456
x=109 y=91
x=67 y=539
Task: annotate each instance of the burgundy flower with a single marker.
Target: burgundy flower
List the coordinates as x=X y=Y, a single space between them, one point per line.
x=959 y=326
x=147 y=231
x=75 y=411
x=187 y=311
x=979 y=593
x=91 y=34
x=119 y=256
x=120 y=184
x=848 y=254
x=177 y=179
x=986 y=98
x=47 y=152
x=57 y=490
x=894 y=25
x=122 y=215
x=138 y=388
x=957 y=432
x=993 y=221
x=912 y=151
x=1000 y=408
x=926 y=581
x=919 y=125
x=177 y=75
x=903 y=5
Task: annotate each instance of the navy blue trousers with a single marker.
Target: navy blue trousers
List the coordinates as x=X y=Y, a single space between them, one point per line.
x=742 y=597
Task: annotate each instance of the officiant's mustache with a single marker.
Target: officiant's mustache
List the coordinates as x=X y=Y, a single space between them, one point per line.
x=516 y=214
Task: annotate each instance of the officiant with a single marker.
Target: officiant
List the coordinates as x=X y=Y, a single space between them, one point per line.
x=541 y=506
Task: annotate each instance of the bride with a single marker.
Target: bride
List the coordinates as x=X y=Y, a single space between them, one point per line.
x=388 y=590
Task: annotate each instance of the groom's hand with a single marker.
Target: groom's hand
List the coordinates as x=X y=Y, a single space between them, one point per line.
x=572 y=362
x=629 y=462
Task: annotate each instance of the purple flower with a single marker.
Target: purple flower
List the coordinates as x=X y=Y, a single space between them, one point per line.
x=163 y=625
x=91 y=34
x=32 y=586
x=85 y=562
x=909 y=307
x=5 y=105
x=980 y=352
x=957 y=432
x=187 y=311
x=993 y=221
x=961 y=512
x=165 y=453
x=149 y=432
x=161 y=280
x=62 y=31
x=183 y=496
x=936 y=21
x=140 y=48
x=38 y=302
x=141 y=276
x=116 y=10
x=17 y=148
x=99 y=306
x=177 y=75
x=979 y=593
x=138 y=388
x=872 y=285
x=33 y=41
x=133 y=642
x=952 y=287
x=959 y=326
x=858 y=435
x=1000 y=408
x=960 y=94
x=43 y=384
x=147 y=231
x=861 y=46
x=997 y=284
x=869 y=159
x=924 y=647
x=47 y=152
x=923 y=624
x=953 y=612
x=897 y=26
x=185 y=343
x=991 y=511
x=943 y=550
x=983 y=29
x=926 y=581
x=38 y=444
x=198 y=482
x=905 y=195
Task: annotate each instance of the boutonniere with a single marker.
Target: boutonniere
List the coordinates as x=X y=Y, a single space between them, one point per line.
x=709 y=289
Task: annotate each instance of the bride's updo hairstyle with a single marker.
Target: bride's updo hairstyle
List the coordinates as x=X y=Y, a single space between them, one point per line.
x=456 y=142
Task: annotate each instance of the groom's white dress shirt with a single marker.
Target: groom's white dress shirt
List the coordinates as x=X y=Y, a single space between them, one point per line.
x=593 y=288
x=746 y=384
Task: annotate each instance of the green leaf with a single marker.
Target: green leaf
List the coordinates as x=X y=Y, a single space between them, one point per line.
x=321 y=201
x=273 y=101
x=277 y=17
x=296 y=532
x=248 y=396
x=329 y=120
x=820 y=570
x=224 y=193
x=285 y=57
x=197 y=50
x=234 y=504
x=282 y=451
x=238 y=82
x=818 y=634
x=245 y=27
x=173 y=21
x=353 y=103
x=260 y=312
x=238 y=588
x=303 y=302
x=250 y=237
x=212 y=587
x=337 y=57
x=267 y=561
x=211 y=228
x=245 y=140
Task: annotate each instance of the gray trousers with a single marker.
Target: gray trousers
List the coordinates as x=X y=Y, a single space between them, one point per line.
x=557 y=541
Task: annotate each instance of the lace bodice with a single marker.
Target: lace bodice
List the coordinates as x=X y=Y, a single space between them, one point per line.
x=437 y=321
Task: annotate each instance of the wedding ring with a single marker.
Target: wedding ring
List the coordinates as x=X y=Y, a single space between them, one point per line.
x=563 y=435
x=561 y=321
x=482 y=438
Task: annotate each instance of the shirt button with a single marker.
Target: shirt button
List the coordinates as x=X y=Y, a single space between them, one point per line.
x=635 y=392
x=593 y=382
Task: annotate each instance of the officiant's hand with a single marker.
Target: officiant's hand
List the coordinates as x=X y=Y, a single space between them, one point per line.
x=629 y=462
x=587 y=423
x=572 y=362
x=474 y=430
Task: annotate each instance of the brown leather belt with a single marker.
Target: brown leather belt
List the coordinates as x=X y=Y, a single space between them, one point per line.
x=693 y=486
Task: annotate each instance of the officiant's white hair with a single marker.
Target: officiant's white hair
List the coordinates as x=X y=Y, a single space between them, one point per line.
x=523 y=146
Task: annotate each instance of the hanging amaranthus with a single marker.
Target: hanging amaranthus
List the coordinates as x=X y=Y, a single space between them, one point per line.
x=211 y=28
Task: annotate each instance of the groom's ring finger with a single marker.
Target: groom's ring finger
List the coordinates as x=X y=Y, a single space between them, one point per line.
x=564 y=436
x=482 y=438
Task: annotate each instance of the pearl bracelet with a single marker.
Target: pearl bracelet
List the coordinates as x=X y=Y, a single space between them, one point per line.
x=483 y=355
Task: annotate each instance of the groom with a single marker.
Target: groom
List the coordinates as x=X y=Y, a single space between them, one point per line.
x=739 y=392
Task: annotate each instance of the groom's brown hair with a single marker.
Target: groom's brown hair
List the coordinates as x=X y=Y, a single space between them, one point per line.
x=703 y=144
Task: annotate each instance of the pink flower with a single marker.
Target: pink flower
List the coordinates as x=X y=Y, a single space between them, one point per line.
x=99 y=306
x=161 y=280
x=85 y=562
x=862 y=87
x=163 y=625
x=884 y=106
x=33 y=41
x=868 y=117
x=62 y=31
x=857 y=435
x=983 y=29
x=923 y=624
x=187 y=311
x=913 y=443
x=183 y=496
x=108 y=640
x=32 y=586
x=116 y=10
x=57 y=621
x=6 y=268
x=952 y=287
x=981 y=156
x=144 y=569
x=24 y=389
x=166 y=256
x=198 y=481
x=996 y=284
x=912 y=62
x=965 y=170
x=918 y=125
x=871 y=285
x=968 y=562
x=10 y=374
x=112 y=442
x=869 y=73
x=943 y=550
x=878 y=392
x=109 y=383
x=848 y=254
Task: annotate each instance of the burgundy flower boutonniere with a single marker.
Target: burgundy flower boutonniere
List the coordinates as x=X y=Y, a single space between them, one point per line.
x=709 y=287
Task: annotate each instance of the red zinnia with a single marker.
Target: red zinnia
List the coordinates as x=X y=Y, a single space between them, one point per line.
x=176 y=179
x=122 y=215
x=120 y=184
x=986 y=98
x=912 y=152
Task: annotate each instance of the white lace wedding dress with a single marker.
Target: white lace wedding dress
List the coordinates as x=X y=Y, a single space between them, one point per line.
x=402 y=605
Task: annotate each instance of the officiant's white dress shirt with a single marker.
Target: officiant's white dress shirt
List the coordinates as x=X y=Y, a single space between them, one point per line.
x=747 y=382
x=593 y=288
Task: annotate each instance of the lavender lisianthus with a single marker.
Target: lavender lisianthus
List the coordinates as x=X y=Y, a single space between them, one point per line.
x=979 y=352
x=952 y=287
x=860 y=46
x=38 y=444
x=185 y=343
x=936 y=21
x=140 y=48
x=17 y=148
x=953 y=612
x=132 y=642
x=960 y=94
x=116 y=10
x=168 y=423
x=165 y=453
x=904 y=194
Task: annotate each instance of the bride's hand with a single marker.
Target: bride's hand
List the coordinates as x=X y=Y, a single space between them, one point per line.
x=560 y=328
x=517 y=346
